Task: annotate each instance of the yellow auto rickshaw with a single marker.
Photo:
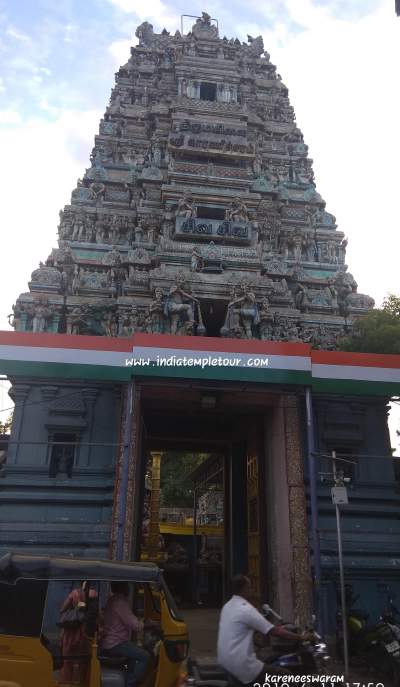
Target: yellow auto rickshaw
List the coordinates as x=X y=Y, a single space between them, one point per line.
x=31 y=592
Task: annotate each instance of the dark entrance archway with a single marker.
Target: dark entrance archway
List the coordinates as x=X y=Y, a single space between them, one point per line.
x=257 y=429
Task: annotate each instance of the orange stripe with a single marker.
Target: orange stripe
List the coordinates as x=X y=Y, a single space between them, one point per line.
x=104 y=343
x=358 y=359
x=209 y=343
x=44 y=340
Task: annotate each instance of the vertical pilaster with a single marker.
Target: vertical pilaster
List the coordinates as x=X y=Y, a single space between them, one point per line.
x=89 y=396
x=125 y=475
x=154 y=526
x=19 y=393
x=301 y=570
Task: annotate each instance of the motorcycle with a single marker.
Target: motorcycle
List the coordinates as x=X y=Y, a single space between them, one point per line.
x=298 y=658
x=384 y=655
x=376 y=647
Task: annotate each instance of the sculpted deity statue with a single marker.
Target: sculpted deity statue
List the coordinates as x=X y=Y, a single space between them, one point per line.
x=203 y=27
x=156 y=153
x=130 y=323
x=98 y=190
x=145 y=33
x=78 y=232
x=109 y=324
x=237 y=212
x=310 y=245
x=14 y=319
x=112 y=258
x=301 y=298
x=296 y=242
x=186 y=207
x=139 y=232
x=156 y=318
x=180 y=308
x=256 y=46
x=195 y=260
x=40 y=314
x=75 y=281
x=266 y=321
x=257 y=166
x=242 y=313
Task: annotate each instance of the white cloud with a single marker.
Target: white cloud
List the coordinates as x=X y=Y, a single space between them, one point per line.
x=41 y=162
x=154 y=11
x=18 y=35
x=342 y=77
x=8 y=117
x=120 y=51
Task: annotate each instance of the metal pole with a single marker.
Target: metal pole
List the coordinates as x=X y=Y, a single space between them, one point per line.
x=123 y=485
x=341 y=573
x=194 y=589
x=314 y=509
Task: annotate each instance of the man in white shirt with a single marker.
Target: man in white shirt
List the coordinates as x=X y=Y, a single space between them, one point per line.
x=238 y=621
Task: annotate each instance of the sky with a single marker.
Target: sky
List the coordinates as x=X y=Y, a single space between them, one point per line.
x=340 y=60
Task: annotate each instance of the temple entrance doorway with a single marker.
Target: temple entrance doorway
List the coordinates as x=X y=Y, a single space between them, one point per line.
x=204 y=505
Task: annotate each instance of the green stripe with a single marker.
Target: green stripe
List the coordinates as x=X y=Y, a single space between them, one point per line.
x=64 y=370
x=357 y=387
x=120 y=373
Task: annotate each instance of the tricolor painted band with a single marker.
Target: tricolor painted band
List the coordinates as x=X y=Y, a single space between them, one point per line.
x=104 y=358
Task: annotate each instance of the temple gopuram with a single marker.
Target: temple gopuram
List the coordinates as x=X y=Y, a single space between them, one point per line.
x=198 y=227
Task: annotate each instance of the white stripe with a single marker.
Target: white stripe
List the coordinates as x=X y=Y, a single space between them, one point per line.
x=77 y=356
x=356 y=372
x=276 y=362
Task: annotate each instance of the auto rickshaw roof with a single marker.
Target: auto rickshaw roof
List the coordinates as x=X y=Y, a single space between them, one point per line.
x=14 y=566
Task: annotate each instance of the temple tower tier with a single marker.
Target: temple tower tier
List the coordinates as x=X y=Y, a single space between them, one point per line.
x=199 y=212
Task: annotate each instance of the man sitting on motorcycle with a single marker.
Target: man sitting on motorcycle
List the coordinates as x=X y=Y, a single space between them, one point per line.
x=238 y=621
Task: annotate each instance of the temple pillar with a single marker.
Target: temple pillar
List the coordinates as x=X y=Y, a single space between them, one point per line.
x=19 y=393
x=301 y=571
x=126 y=470
x=154 y=526
x=290 y=572
x=89 y=395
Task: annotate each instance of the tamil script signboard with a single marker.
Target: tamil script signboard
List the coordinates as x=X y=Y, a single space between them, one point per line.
x=213 y=230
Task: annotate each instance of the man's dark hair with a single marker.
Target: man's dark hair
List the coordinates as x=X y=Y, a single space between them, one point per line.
x=120 y=588
x=239 y=582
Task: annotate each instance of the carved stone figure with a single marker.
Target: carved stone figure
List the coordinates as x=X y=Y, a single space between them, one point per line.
x=46 y=276
x=40 y=315
x=112 y=258
x=145 y=34
x=186 y=207
x=266 y=320
x=203 y=27
x=139 y=232
x=242 y=313
x=195 y=260
x=157 y=318
x=98 y=189
x=301 y=298
x=257 y=166
x=109 y=323
x=130 y=322
x=14 y=319
x=237 y=212
x=180 y=309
